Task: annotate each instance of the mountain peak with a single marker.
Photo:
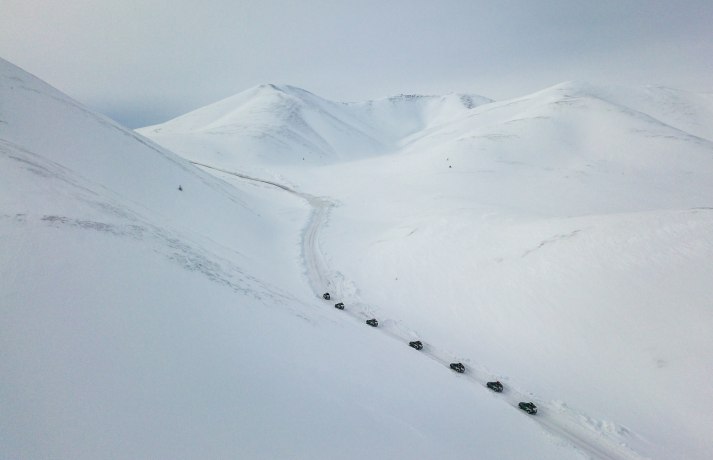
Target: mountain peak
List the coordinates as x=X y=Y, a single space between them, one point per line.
x=281 y=88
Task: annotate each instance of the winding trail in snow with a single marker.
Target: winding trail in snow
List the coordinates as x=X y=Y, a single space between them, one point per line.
x=592 y=438
x=316 y=267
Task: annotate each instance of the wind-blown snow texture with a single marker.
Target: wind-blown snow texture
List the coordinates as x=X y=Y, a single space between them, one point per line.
x=559 y=242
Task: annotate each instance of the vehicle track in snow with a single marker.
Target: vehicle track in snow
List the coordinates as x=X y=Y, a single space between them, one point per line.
x=592 y=438
x=316 y=266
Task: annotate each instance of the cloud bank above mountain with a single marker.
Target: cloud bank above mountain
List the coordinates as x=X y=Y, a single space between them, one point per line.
x=143 y=63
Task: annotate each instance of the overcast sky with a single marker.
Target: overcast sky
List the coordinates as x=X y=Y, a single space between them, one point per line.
x=145 y=61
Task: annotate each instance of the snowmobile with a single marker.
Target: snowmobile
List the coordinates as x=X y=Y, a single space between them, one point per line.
x=326 y=296
x=372 y=322
x=339 y=306
x=458 y=367
x=495 y=386
x=416 y=344
x=528 y=407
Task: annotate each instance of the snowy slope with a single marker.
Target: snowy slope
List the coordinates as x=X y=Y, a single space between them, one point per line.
x=560 y=241
x=140 y=321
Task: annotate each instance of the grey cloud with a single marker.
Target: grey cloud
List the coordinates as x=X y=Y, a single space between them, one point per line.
x=143 y=62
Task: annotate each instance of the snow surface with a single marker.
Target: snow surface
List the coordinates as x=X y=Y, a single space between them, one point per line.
x=559 y=242
x=140 y=321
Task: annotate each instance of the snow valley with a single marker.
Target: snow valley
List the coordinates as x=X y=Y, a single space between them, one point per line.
x=559 y=243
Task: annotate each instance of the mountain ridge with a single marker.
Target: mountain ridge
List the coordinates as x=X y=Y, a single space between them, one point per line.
x=282 y=124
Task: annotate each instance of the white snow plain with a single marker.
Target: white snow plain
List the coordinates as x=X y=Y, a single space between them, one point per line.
x=559 y=242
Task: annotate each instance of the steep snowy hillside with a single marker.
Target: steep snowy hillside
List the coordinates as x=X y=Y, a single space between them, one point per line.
x=140 y=320
x=560 y=242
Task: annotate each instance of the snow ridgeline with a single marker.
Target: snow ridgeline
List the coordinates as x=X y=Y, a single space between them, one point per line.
x=287 y=125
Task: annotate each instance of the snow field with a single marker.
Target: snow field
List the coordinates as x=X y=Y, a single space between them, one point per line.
x=137 y=322
x=558 y=241
x=565 y=252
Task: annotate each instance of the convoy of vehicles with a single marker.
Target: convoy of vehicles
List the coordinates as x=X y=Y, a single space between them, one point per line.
x=496 y=386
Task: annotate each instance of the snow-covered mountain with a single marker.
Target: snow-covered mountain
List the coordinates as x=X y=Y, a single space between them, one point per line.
x=559 y=242
x=138 y=320
x=283 y=124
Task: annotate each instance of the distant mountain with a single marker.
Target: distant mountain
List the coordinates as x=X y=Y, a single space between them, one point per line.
x=569 y=123
x=288 y=125
x=579 y=127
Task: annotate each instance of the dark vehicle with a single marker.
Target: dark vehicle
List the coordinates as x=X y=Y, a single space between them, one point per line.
x=495 y=386
x=458 y=367
x=416 y=344
x=372 y=322
x=326 y=296
x=528 y=407
x=339 y=306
